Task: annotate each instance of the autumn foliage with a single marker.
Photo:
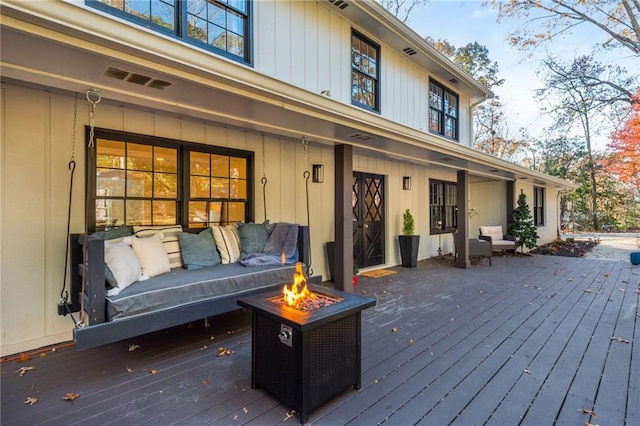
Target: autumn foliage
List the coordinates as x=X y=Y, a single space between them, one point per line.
x=625 y=146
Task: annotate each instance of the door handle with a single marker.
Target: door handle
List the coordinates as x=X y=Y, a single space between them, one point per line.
x=365 y=226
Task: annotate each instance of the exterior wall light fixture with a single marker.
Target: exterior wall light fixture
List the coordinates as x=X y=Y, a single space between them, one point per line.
x=406 y=183
x=318 y=173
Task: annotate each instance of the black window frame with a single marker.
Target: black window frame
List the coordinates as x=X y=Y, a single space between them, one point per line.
x=443 y=206
x=180 y=25
x=183 y=195
x=538 y=206
x=442 y=112
x=357 y=73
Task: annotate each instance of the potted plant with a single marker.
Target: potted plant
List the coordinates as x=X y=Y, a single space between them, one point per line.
x=356 y=271
x=409 y=243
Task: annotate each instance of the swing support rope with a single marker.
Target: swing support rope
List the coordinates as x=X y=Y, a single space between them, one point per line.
x=306 y=175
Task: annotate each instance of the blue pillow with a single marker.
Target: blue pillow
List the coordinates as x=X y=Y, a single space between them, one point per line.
x=198 y=250
x=253 y=237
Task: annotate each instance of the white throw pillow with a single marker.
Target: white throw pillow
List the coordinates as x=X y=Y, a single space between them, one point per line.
x=151 y=254
x=123 y=263
x=170 y=240
x=227 y=241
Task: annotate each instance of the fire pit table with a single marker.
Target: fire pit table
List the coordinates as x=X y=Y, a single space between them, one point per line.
x=305 y=358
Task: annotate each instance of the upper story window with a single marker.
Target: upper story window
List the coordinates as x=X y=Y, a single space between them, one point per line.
x=443 y=111
x=218 y=25
x=365 y=75
x=140 y=180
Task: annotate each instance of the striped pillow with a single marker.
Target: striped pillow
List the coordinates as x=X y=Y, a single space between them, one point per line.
x=170 y=240
x=227 y=241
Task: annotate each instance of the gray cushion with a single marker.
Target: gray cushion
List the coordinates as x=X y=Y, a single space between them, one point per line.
x=198 y=250
x=111 y=234
x=253 y=237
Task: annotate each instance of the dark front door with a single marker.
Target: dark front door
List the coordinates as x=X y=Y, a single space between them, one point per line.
x=367 y=201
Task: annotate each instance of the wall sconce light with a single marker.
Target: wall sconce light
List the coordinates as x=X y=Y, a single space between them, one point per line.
x=406 y=183
x=317 y=173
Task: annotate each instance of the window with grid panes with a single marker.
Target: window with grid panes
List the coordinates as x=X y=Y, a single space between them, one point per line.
x=140 y=180
x=443 y=206
x=222 y=26
x=364 y=72
x=443 y=111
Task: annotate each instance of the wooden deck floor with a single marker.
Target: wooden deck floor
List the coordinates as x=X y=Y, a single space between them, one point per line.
x=531 y=340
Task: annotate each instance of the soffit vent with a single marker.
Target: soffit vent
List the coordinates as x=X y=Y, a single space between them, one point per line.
x=341 y=4
x=446 y=158
x=142 y=80
x=409 y=51
x=362 y=137
x=454 y=80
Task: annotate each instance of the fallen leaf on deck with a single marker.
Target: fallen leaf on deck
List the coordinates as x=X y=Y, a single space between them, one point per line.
x=605 y=275
x=638 y=291
x=411 y=342
x=526 y=370
x=570 y=279
x=590 y=424
x=619 y=339
x=589 y=412
x=31 y=400
x=622 y=289
x=588 y=290
x=129 y=370
x=71 y=397
x=154 y=372
x=245 y=409
x=394 y=329
x=203 y=347
x=223 y=351
x=133 y=347
x=23 y=370
x=205 y=382
x=24 y=358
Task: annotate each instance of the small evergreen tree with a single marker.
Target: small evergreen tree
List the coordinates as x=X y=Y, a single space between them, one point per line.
x=407 y=223
x=523 y=228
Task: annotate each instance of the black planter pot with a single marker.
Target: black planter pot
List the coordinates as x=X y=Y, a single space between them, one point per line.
x=409 y=250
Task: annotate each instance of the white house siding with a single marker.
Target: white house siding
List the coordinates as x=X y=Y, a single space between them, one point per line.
x=37 y=143
x=307 y=44
x=549 y=231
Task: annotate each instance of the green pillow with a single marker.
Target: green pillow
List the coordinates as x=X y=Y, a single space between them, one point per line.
x=253 y=237
x=198 y=250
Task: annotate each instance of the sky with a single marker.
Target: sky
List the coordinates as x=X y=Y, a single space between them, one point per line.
x=462 y=22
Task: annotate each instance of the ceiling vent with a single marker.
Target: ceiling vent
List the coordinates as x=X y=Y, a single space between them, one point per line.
x=409 y=51
x=454 y=80
x=341 y=4
x=142 y=80
x=362 y=137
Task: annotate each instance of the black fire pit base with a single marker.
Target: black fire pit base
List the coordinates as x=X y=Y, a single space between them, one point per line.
x=305 y=359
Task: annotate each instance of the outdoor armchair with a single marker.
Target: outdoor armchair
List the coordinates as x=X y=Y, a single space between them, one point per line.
x=499 y=241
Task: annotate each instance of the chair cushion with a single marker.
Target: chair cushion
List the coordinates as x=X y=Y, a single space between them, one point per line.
x=495 y=232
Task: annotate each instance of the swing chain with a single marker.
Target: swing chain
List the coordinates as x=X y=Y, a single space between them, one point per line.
x=94 y=98
x=306 y=175
x=264 y=177
x=64 y=293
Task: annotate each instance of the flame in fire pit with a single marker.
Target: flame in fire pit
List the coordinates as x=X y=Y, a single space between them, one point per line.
x=299 y=294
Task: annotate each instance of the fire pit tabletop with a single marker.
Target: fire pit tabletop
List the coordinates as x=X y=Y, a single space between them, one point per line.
x=348 y=304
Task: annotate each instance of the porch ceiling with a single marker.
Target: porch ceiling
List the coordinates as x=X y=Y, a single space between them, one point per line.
x=62 y=61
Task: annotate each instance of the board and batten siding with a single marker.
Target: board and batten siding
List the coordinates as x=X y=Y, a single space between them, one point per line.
x=308 y=45
x=37 y=133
